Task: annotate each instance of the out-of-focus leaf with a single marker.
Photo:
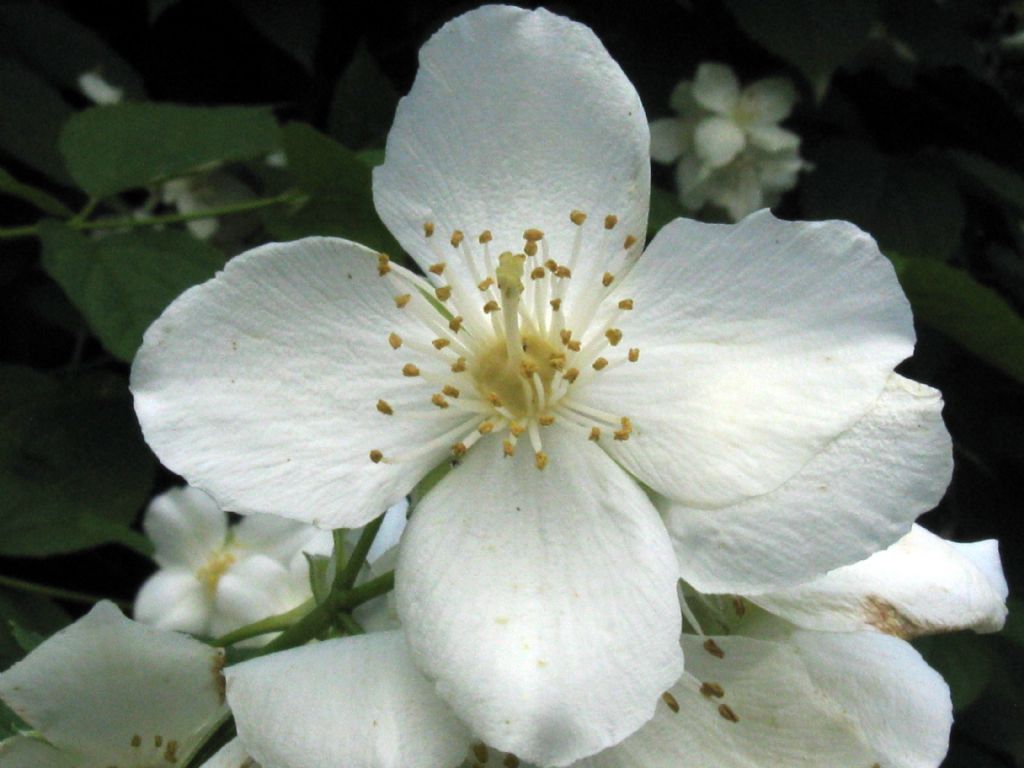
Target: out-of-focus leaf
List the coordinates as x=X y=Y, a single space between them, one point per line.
x=112 y=148
x=37 y=197
x=953 y=303
x=340 y=193
x=816 y=37
x=121 y=282
x=907 y=204
x=294 y=27
x=1002 y=184
x=964 y=659
x=74 y=470
x=363 y=106
x=61 y=49
x=932 y=33
x=33 y=113
x=665 y=207
x=1014 y=629
x=158 y=7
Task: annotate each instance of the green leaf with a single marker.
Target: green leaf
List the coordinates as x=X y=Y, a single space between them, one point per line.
x=1014 y=629
x=907 y=204
x=33 y=113
x=25 y=620
x=816 y=37
x=61 y=49
x=953 y=303
x=964 y=659
x=363 y=106
x=74 y=470
x=112 y=148
x=157 y=8
x=665 y=207
x=121 y=282
x=1001 y=184
x=294 y=27
x=340 y=193
x=37 y=197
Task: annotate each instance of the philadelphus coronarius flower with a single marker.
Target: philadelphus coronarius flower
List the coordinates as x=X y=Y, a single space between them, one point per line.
x=213 y=577
x=825 y=679
x=726 y=142
x=743 y=373
x=107 y=691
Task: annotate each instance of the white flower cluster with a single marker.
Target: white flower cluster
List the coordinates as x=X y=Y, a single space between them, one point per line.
x=719 y=409
x=726 y=142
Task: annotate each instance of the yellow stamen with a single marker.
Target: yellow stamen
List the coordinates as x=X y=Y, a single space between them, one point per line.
x=401 y=301
x=410 y=370
x=376 y=456
x=384 y=407
x=395 y=340
x=610 y=221
x=577 y=217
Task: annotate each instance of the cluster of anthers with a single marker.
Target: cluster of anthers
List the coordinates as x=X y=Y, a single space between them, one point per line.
x=514 y=354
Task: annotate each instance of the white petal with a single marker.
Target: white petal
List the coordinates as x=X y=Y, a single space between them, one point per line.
x=261 y=385
x=768 y=101
x=771 y=138
x=185 y=526
x=716 y=88
x=778 y=172
x=255 y=588
x=28 y=752
x=97 y=685
x=759 y=344
x=920 y=585
x=231 y=755
x=279 y=538
x=542 y=602
x=718 y=140
x=859 y=495
x=516 y=118
x=736 y=189
x=669 y=139
x=390 y=531
x=174 y=599
x=359 y=702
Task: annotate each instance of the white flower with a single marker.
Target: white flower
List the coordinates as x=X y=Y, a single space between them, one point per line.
x=96 y=88
x=213 y=577
x=727 y=142
x=726 y=367
x=203 y=192
x=768 y=693
x=107 y=691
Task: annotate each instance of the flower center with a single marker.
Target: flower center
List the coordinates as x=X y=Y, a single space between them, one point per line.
x=511 y=380
x=210 y=573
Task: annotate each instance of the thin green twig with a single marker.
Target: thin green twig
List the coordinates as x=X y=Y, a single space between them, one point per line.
x=68 y=595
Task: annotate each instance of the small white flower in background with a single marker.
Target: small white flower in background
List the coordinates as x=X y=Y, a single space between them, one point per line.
x=215 y=577
x=828 y=680
x=726 y=142
x=107 y=691
x=95 y=88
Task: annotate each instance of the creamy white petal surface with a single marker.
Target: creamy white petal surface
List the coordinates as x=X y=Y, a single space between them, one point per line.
x=767 y=101
x=861 y=493
x=279 y=538
x=668 y=140
x=28 y=752
x=771 y=138
x=717 y=140
x=185 y=526
x=759 y=344
x=515 y=119
x=358 y=702
x=257 y=587
x=546 y=611
x=716 y=88
x=175 y=599
x=116 y=692
x=260 y=385
x=920 y=585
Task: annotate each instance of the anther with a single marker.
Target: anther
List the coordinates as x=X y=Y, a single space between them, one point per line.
x=457 y=237
x=540 y=459
x=571 y=375
x=516 y=429
x=383 y=407
x=451 y=391
x=459 y=365
x=459 y=450
x=485 y=237
x=574 y=345
x=494 y=400
x=440 y=343
x=376 y=456
x=527 y=368
x=614 y=336
x=443 y=292
x=556 y=304
x=402 y=300
x=626 y=431
x=546 y=420
x=530 y=249
x=537 y=273
x=607 y=279
x=486 y=283
x=383 y=264
x=626 y=304
x=480 y=751
x=532 y=235
x=670 y=701
x=739 y=605
x=136 y=740
x=428 y=229
x=551 y=264
x=726 y=711
x=410 y=370
x=610 y=221
x=491 y=306
x=437 y=269
x=158 y=741
x=712 y=647
x=563 y=272
x=565 y=335
x=395 y=340
x=577 y=217
x=439 y=400
x=486 y=428
x=455 y=324
x=595 y=434
x=629 y=242
x=600 y=363
x=508 y=448
x=712 y=690
x=634 y=354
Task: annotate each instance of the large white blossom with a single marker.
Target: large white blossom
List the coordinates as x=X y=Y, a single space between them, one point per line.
x=726 y=141
x=768 y=693
x=107 y=691
x=727 y=368
x=215 y=577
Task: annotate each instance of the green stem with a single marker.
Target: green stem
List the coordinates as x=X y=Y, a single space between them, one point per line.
x=276 y=623
x=129 y=222
x=350 y=625
x=87 y=210
x=57 y=593
x=346 y=577
x=367 y=591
